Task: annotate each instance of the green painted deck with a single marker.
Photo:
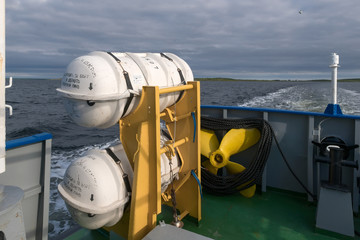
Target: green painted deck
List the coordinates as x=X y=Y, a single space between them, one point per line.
x=270 y=215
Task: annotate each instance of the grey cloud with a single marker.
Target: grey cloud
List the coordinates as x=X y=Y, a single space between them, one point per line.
x=239 y=39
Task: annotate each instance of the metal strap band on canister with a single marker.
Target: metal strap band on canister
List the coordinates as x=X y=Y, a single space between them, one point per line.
x=118 y=162
x=179 y=71
x=128 y=83
x=128 y=102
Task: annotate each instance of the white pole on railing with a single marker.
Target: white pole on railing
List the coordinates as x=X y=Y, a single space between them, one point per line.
x=334 y=65
x=2 y=86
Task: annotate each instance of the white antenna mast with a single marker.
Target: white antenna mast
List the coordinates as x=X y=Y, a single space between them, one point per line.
x=334 y=65
x=333 y=108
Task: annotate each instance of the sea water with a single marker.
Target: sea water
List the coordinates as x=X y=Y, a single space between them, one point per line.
x=37 y=108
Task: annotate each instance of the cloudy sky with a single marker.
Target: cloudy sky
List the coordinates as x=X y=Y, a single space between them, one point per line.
x=247 y=39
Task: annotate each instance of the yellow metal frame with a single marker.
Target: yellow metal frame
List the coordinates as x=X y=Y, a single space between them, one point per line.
x=140 y=136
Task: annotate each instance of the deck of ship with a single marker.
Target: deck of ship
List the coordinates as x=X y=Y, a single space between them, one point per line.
x=269 y=215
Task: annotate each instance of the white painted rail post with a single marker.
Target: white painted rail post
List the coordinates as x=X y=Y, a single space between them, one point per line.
x=2 y=86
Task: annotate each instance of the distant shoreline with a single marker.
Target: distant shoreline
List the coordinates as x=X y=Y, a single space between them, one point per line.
x=230 y=79
x=275 y=80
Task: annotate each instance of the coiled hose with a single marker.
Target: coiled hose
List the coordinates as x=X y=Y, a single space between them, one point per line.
x=253 y=173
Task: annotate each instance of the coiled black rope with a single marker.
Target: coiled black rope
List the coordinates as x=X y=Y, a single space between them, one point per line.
x=231 y=183
x=253 y=173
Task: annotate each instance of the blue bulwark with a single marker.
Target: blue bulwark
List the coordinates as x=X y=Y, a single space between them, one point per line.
x=333 y=109
x=337 y=115
x=28 y=140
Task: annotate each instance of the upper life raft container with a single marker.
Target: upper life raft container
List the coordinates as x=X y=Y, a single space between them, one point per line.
x=102 y=87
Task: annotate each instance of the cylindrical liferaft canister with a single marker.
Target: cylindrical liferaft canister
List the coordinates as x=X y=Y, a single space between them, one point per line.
x=102 y=87
x=97 y=186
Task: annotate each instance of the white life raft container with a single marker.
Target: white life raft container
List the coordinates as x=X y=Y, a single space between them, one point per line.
x=102 y=87
x=97 y=187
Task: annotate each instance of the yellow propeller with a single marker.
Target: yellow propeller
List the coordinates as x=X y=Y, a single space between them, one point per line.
x=234 y=141
x=209 y=142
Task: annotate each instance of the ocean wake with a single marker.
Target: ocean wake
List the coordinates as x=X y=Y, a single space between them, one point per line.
x=303 y=98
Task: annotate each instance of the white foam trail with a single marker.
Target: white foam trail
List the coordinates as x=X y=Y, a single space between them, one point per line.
x=349 y=100
x=267 y=100
x=299 y=98
x=309 y=98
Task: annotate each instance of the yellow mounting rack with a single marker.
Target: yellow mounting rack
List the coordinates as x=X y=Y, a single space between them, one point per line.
x=140 y=136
